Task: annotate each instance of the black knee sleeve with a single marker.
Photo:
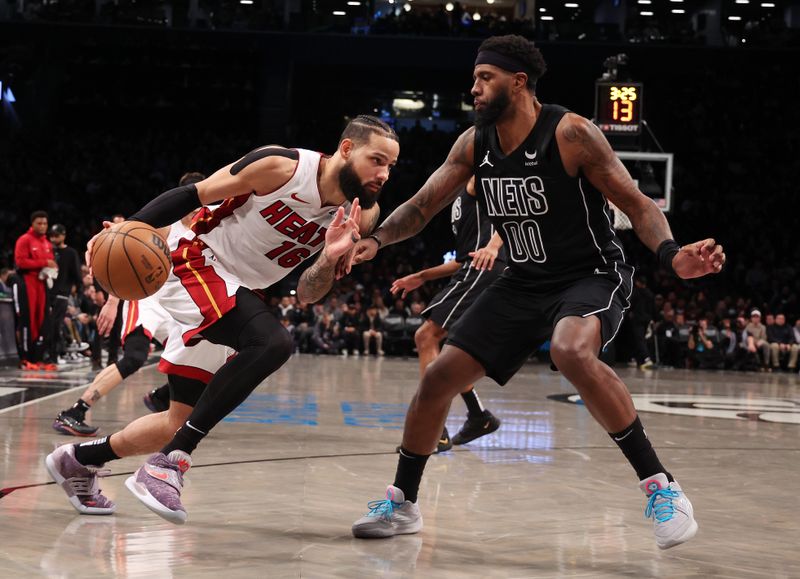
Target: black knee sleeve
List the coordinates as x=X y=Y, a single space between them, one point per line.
x=134 y=354
x=185 y=390
x=271 y=348
x=263 y=344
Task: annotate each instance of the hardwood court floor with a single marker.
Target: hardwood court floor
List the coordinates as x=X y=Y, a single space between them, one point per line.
x=274 y=490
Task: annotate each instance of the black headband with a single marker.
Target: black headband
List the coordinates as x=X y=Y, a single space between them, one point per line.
x=508 y=63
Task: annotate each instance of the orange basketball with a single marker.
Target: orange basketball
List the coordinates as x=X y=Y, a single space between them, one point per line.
x=130 y=260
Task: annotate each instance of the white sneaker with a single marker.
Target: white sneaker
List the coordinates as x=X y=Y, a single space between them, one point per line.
x=392 y=516
x=671 y=511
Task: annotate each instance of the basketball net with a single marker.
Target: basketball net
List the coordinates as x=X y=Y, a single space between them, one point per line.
x=621 y=221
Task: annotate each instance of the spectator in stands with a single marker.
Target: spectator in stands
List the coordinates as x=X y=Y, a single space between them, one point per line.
x=681 y=337
x=380 y=307
x=325 y=337
x=757 y=340
x=703 y=346
x=729 y=344
x=303 y=321
x=371 y=329
x=5 y=288
x=349 y=325
x=67 y=282
x=782 y=344
x=399 y=309
x=640 y=315
x=285 y=307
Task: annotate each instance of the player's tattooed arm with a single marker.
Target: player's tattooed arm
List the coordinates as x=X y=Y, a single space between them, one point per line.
x=369 y=219
x=316 y=281
x=441 y=189
x=586 y=152
x=340 y=238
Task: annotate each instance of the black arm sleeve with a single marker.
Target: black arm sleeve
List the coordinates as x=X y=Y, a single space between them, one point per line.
x=169 y=207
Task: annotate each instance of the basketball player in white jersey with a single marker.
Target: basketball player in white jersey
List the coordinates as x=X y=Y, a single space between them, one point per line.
x=143 y=321
x=280 y=206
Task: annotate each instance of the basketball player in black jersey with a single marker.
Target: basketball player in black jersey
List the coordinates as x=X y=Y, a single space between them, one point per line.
x=480 y=258
x=543 y=175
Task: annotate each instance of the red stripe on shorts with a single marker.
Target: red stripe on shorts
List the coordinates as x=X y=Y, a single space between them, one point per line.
x=206 y=288
x=184 y=371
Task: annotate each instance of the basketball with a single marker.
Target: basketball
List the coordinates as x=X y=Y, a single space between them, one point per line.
x=130 y=260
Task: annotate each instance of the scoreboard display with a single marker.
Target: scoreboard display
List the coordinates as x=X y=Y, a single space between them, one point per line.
x=618 y=107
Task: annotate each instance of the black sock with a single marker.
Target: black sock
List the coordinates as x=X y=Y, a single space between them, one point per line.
x=474 y=406
x=186 y=439
x=409 y=473
x=161 y=394
x=637 y=449
x=95 y=452
x=78 y=410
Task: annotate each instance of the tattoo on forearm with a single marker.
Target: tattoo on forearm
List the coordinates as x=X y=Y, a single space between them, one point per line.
x=441 y=189
x=373 y=221
x=96 y=395
x=598 y=161
x=317 y=280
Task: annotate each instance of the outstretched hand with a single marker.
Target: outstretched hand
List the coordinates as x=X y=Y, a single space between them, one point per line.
x=90 y=245
x=364 y=251
x=699 y=259
x=406 y=284
x=483 y=258
x=342 y=234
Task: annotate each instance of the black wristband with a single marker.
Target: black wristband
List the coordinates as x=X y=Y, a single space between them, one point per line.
x=377 y=240
x=169 y=207
x=666 y=252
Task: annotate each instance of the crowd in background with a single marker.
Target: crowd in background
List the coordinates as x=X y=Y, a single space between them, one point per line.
x=398 y=18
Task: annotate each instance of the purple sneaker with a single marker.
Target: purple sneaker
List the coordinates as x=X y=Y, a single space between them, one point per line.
x=79 y=481
x=158 y=484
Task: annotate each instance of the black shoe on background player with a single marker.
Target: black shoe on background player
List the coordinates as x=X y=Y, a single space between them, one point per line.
x=477 y=426
x=444 y=444
x=66 y=423
x=157 y=400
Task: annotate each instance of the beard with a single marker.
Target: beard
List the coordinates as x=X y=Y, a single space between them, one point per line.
x=353 y=188
x=492 y=111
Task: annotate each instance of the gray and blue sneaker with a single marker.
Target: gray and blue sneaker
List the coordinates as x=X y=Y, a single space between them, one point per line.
x=391 y=516
x=671 y=511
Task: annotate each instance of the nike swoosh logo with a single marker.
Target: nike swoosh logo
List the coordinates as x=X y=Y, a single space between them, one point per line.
x=529 y=156
x=296 y=198
x=158 y=475
x=444 y=440
x=485 y=426
x=624 y=436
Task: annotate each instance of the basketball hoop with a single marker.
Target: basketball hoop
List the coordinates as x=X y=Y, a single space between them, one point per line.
x=621 y=221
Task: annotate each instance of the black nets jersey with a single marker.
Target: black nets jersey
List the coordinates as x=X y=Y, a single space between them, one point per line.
x=471 y=228
x=555 y=228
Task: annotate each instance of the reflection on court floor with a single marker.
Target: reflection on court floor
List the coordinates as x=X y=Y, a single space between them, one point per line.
x=277 y=485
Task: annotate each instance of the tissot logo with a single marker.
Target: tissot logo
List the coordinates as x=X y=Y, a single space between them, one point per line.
x=729 y=407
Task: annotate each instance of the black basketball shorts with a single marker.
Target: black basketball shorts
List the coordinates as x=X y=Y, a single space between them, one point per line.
x=455 y=298
x=511 y=318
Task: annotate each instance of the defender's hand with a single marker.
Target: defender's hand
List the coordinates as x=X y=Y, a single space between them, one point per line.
x=698 y=259
x=406 y=284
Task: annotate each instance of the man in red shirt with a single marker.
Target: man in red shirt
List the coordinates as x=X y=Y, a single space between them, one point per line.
x=33 y=252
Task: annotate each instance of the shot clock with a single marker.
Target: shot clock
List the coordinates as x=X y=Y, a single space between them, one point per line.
x=618 y=107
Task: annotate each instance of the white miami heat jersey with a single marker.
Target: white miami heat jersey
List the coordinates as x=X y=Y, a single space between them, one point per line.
x=260 y=239
x=176 y=231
